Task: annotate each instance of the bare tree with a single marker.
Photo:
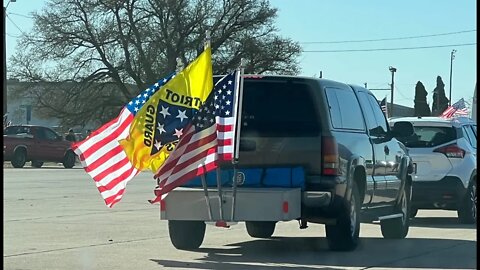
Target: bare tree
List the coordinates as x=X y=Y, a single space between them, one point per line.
x=85 y=59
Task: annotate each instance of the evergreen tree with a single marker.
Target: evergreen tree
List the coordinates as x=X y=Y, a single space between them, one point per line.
x=421 y=106
x=440 y=101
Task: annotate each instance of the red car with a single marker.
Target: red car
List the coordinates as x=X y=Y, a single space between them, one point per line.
x=36 y=144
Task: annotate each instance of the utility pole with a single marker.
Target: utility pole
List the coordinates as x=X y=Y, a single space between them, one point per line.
x=392 y=70
x=452 y=56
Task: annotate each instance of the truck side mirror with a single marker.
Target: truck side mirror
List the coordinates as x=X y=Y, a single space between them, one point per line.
x=402 y=129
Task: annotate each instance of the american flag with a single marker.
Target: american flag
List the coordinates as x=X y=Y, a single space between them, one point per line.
x=208 y=140
x=383 y=105
x=103 y=157
x=457 y=108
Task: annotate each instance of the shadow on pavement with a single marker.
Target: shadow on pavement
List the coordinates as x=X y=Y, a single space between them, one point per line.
x=440 y=222
x=299 y=252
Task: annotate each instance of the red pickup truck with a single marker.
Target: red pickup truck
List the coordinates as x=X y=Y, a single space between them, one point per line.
x=36 y=144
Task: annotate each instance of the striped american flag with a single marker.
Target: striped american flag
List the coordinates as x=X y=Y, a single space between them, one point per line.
x=208 y=140
x=457 y=108
x=103 y=157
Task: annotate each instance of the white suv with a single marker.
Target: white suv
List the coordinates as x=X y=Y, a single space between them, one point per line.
x=444 y=155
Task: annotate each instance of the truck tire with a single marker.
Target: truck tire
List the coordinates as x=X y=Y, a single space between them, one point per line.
x=260 y=229
x=413 y=212
x=344 y=235
x=37 y=163
x=467 y=211
x=185 y=234
x=69 y=160
x=19 y=158
x=397 y=228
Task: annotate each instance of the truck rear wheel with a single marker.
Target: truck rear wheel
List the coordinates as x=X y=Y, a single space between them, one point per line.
x=186 y=234
x=413 y=212
x=397 y=228
x=69 y=160
x=19 y=159
x=260 y=229
x=37 y=163
x=344 y=235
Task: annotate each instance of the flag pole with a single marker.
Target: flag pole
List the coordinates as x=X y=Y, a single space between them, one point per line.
x=220 y=194
x=219 y=180
x=238 y=123
x=207 y=198
x=204 y=181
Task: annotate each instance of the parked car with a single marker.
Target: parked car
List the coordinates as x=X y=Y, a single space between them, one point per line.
x=37 y=144
x=444 y=154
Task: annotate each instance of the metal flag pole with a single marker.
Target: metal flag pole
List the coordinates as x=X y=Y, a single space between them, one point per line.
x=207 y=198
x=238 y=123
x=220 y=194
x=207 y=39
x=204 y=181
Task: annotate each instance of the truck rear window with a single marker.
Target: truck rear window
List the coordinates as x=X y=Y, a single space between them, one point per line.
x=426 y=137
x=278 y=108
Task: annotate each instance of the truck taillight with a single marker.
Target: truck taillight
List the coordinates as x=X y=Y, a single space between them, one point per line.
x=329 y=156
x=451 y=151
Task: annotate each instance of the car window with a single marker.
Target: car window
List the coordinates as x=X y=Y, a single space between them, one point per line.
x=425 y=136
x=381 y=121
x=50 y=134
x=369 y=114
x=15 y=130
x=278 y=108
x=348 y=115
x=40 y=134
x=470 y=136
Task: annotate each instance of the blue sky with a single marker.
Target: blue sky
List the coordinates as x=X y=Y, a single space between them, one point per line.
x=335 y=20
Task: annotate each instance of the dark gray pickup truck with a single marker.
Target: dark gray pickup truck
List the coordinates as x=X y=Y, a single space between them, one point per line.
x=312 y=150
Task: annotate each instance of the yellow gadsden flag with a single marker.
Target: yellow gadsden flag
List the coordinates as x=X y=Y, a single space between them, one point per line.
x=160 y=122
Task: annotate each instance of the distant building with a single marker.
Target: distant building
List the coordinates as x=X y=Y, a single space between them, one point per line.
x=400 y=110
x=20 y=109
x=21 y=112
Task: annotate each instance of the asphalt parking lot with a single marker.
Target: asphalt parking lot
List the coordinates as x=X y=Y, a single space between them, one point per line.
x=54 y=218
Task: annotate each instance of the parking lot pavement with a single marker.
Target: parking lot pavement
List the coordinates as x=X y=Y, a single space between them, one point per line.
x=54 y=218
x=7 y=164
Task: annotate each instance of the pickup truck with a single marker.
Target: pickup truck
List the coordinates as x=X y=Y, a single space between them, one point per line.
x=312 y=150
x=37 y=144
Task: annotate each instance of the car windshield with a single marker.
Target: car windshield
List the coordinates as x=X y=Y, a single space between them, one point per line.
x=425 y=136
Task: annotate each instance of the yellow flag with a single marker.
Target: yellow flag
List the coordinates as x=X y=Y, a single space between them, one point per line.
x=160 y=121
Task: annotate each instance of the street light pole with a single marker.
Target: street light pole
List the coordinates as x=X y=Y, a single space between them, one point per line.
x=392 y=70
x=452 y=56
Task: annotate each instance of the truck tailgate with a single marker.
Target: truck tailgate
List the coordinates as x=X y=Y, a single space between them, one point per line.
x=252 y=204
